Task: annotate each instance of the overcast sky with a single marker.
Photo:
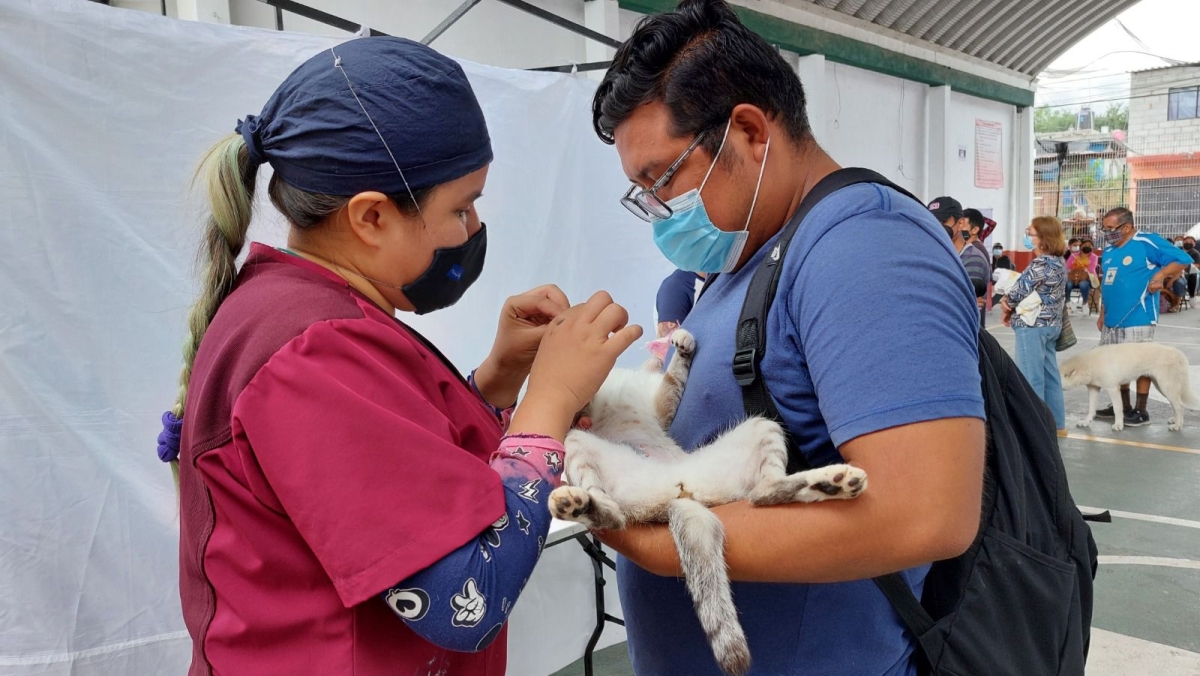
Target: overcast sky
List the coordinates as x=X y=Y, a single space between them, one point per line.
x=1096 y=69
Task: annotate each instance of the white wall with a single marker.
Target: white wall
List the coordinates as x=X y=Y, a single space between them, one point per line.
x=960 y=174
x=1150 y=132
x=873 y=121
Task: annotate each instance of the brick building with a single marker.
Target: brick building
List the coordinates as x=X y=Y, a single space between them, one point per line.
x=1164 y=148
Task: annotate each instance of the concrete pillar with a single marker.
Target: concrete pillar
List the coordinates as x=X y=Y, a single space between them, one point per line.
x=602 y=16
x=811 y=70
x=205 y=11
x=1022 y=180
x=939 y=153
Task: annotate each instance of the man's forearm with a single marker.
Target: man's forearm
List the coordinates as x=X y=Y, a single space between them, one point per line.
x=834 y=541
x=918 y=507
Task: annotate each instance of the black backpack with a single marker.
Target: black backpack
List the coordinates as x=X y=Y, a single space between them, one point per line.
x=1019 y=601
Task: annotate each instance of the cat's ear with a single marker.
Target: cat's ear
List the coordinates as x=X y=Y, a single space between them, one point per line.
x=653 y=365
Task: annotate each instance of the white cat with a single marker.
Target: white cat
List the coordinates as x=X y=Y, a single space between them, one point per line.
x=626 y=468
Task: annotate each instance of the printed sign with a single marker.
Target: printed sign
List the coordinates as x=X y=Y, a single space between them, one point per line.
x=989 y=154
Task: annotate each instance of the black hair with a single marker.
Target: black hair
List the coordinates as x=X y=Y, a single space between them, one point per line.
x=975 y=218
x=1122 y=214
x=701 y=61
x=1074 y=240
x=307 y=210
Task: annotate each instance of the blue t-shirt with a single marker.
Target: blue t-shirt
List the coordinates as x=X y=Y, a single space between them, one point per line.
x=838 y=366
x=676 y=296
x=1127 y=271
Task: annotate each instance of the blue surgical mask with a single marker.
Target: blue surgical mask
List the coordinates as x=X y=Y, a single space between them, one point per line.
x=1028 y=242
x=688 y=237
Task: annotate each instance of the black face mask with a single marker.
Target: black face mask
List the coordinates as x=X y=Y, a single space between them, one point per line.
x=966 y=235
x=949 y=231
x=1086 y=249
x=452 y=272
x=1188 y=246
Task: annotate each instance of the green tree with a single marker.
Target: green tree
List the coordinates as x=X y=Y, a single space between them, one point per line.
x=1047 y=120
x=1116 y=117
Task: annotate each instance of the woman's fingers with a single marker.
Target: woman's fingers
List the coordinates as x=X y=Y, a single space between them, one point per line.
x=590 y=310
x=612 y=319
x=621 y=340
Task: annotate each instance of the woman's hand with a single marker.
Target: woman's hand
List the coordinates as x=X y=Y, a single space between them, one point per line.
x=523 y=322
x=577 y=352
x=1006 y=312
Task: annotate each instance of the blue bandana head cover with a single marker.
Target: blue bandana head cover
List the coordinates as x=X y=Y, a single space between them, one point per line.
x=335 y=122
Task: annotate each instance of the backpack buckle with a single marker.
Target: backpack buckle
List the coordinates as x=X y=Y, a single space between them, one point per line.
x=745 y=369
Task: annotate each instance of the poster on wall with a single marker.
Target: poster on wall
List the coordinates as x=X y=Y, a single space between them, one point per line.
x=989 y=158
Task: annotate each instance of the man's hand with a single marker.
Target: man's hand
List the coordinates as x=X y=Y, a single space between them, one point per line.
x=1006 y=312
x=523 y=322
x=1156 y=284
x=923 y=505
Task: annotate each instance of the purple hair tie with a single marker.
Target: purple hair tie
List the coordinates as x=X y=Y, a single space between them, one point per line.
x=168 y=439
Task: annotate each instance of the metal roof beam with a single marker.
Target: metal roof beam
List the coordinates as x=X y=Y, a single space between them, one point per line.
x=1068 y=35
x=870 y=11
x=966 y=37
x=958 y=17
x=1047 y=14
x=893 y=11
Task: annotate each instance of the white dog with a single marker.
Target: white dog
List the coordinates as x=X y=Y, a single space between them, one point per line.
x=1108 y=367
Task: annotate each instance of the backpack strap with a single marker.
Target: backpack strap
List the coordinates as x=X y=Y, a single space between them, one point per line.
x=752 y=342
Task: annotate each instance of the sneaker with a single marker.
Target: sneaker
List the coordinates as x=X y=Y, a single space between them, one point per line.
x=1106 y=414
x=1136 y=418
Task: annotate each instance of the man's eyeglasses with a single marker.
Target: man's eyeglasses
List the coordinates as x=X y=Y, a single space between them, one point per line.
x=645 y=203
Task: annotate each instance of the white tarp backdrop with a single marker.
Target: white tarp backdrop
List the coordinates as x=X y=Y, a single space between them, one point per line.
x=103 y=115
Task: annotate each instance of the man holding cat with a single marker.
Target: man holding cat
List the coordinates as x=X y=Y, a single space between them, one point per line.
x=711 y=128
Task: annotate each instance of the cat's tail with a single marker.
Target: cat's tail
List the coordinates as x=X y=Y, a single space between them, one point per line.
x=700 y=541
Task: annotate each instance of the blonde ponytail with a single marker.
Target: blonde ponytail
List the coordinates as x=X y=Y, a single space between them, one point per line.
x=228 y=176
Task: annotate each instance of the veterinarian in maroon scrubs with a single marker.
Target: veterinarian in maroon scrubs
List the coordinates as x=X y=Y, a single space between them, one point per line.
x=350 y=504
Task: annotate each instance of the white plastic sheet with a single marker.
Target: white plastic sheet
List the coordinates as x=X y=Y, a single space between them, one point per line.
x=103 y=114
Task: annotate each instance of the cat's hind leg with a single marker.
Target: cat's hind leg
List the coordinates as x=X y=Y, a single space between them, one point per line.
x=776 y=487
x=585 y=501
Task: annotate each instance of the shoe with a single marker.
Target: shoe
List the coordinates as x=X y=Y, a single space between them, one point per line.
x=1136 y=418
x=1106 y=414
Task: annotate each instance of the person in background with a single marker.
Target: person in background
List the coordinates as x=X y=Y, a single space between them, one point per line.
x=949 y=212
x=349 y=502
x=1081 y=267
x=999 y=259
x=981 y=228
x=1072 y=246
x=676 y=296
x=1134 y=266
x=1193 y=276
x=709 y=122
x=979 y=268
x=1037 y=356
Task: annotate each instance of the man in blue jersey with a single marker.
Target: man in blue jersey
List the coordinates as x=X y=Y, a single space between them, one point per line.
x=710 y=125
x=1133 y=266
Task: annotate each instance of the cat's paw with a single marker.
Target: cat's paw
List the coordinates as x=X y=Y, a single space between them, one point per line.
x=838 y=482
x=1174 y=425
x=570 y=503
x=684 y=342
x=1085 y=422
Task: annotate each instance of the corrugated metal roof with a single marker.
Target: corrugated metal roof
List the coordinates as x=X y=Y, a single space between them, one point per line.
x=1169 y=66
x=1022 y=35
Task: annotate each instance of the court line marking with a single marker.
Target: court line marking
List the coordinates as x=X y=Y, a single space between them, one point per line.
x=1154 y=518
x=1185 y=328
x=1136 y=444
x=1160 y=561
